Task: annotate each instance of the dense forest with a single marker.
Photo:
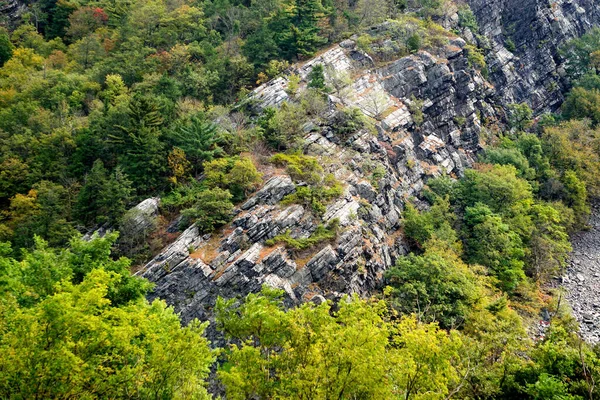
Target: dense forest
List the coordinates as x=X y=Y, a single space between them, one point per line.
x=104 y=103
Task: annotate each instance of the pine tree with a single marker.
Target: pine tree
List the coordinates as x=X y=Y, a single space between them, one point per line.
x=6 y=47
x=303 y=38
x=103 y=198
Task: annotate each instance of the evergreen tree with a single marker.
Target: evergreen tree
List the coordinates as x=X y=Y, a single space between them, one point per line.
x=103 y=197
x=199 y=139
x=141 y=154
x=302 y=37
x=6 y=47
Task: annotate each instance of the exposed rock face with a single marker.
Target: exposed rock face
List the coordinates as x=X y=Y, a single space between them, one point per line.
x=429 y=106
x=531 y=71
x=138 y=219
x=452 y=96
x=11 y=9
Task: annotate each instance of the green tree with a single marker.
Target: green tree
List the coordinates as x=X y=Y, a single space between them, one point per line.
x=437 y=222
x=199 y=139
x=302 y=36
x=75 y=344
x=578 y=53
x=491 y=242
x=313 y=352
x=104 y=197
x=283 y=127
x=500 y=189
x=549 y=243
x=519 y=116
x=237 y=175
x=212 y=209
x=437 y=286
x=6 y=47
x=316 y=78
x=582 y=103
x=140 y=152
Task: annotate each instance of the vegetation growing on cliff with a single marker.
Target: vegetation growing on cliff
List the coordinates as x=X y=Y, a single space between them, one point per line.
x=103 y=103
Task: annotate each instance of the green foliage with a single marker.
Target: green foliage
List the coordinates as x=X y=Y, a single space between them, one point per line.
x=320 y=187
x=466 y=18
x=44 y=212
x=6 y=47
x=348 y=121
x=578 y=53
x=491 y=242
x=321 y=234
x=519 y=116
x=316 y=196
x=283 y=127
x=549 y=241
x=141 y=153
x=212 y=209
x=38 y=275
x=414 y=43
x=582 y=103
x=317 y=353
x=416 y=110
x=316 y=78
x=510 y=156
x=510 y=45
x=75 y=343
x=572 y=146
x=437 y=222
x=302 y=37
x=476 y=58
x=500 y=189
x=429 y=8
x=437 y=286
x=182 y=196
x=237 y=175
x=103 y=198
x=199 y=139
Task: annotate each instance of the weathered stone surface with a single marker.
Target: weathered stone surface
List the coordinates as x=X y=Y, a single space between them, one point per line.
x=141 y=219
x=274 y=190
x=532 y=72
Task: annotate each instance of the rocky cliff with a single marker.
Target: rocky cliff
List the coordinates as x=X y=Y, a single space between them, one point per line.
x=450 y=97
x=430 y=106
x=523 y=38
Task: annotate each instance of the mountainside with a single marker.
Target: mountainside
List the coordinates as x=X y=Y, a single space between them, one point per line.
x=524 y=37
x=370 y=208
x=451 y=102
x=299 y=199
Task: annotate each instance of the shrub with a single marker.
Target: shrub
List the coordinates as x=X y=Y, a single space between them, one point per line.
x=238 y=175
x=320 y=187
x=283 y=127
x=466 y=18
x=348 y=121
x=213 y=208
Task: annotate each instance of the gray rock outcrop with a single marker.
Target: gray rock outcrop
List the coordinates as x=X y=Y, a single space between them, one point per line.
x=524 y=38
x=430 y=107
x=197 y=268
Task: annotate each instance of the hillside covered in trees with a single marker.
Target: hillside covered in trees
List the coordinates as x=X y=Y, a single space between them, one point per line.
x=295 y=199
